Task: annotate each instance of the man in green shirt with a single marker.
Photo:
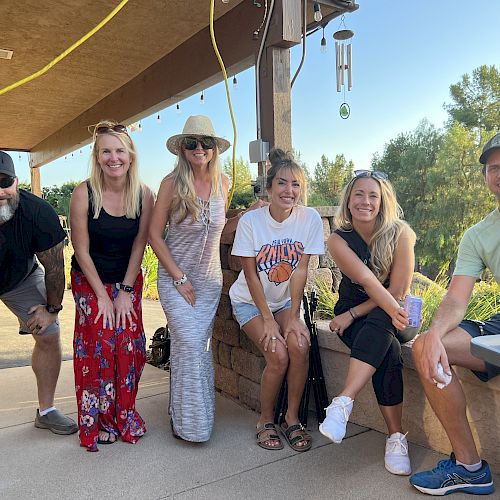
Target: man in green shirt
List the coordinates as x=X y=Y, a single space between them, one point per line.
x=447 y=342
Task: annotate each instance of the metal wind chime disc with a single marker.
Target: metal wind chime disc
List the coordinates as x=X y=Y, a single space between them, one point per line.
x=343 y=65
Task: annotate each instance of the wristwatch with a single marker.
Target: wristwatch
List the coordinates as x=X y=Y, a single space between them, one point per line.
x=126 y=288
x=53 y=309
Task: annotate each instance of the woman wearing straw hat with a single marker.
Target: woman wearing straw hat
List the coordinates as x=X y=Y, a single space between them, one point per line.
x=191 y=201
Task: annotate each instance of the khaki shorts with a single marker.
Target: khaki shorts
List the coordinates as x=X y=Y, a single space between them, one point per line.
x=24 y=296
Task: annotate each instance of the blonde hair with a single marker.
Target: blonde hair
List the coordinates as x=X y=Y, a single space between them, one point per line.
x=279 y=159
x=184 y=200
x=133 y=184
x=388 y=225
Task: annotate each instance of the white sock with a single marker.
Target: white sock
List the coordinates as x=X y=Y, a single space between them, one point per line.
x=47 y=410
x=470 y=467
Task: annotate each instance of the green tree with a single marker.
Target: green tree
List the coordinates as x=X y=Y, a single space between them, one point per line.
x=243 y=190
x=60 y=196
x=329 y=179
x=476 y=99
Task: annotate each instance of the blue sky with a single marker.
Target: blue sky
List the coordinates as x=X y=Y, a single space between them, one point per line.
x=405 y=57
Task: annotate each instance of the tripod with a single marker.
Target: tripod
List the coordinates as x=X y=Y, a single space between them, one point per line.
x=315 y=378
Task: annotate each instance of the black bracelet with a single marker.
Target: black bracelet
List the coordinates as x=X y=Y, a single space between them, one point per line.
x=352 y=314
x=126 y=288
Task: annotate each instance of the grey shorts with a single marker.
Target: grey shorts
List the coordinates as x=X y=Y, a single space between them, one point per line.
x=477 y=329
x=244 y=312
x=25 y=295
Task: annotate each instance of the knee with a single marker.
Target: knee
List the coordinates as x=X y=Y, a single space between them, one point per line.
x=298 y=354
x=278 y=361
x=48 y=342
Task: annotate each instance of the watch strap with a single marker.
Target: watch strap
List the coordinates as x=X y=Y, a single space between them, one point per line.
x=126 y=288
x=53 y=309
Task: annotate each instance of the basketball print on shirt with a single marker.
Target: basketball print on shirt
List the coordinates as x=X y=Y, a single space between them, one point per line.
x=279 y=259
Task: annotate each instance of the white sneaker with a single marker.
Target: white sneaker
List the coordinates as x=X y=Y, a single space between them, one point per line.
x=337 y=415
x=397 y=460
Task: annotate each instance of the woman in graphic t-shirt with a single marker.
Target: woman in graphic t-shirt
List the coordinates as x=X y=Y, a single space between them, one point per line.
x=275 y=243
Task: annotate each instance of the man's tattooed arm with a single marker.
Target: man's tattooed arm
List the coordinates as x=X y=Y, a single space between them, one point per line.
x=53 y=262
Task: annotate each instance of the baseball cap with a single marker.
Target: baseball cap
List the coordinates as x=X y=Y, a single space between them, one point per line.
x=6 y=164
x=492 y=144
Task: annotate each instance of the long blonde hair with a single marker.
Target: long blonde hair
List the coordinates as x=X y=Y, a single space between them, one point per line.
x=184 y=200
x=388 y=225
x=279 y=159
x=133 y=185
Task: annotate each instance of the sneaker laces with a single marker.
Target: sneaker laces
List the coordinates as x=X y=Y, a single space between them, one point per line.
x=337 y=403
x=397 y=445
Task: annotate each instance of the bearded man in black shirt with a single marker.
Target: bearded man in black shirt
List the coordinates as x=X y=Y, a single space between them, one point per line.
x=30 y=227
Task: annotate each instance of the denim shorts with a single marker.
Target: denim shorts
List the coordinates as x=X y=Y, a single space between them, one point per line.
x=244 y=312
x=477 y=329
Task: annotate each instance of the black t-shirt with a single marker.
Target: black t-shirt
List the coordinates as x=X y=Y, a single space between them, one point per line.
x=34 y=228
x=352 y=294
x=110 y=243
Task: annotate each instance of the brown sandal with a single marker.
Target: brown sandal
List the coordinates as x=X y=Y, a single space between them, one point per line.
x=295 y=434
x=268 y=432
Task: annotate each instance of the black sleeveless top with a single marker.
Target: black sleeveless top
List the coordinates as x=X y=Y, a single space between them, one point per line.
x=110 y=243
x=352 y=294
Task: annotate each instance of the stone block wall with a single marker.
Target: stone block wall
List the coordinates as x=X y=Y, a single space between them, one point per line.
x=238 y=362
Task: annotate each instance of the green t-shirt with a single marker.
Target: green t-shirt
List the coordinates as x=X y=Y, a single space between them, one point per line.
x=480 y=248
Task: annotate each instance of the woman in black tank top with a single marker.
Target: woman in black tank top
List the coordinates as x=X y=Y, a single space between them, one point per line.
x=109 y=216
x=373 y=248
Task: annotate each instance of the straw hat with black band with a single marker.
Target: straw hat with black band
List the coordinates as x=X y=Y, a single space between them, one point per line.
x=196 y=126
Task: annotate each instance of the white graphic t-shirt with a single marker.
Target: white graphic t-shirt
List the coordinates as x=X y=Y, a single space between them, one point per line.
x=277 y=248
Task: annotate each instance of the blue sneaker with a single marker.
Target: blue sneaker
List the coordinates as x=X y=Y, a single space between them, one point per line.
x=448 y=477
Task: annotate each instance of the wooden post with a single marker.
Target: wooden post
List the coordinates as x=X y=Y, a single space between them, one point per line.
x=275 y=88
x=36 y=187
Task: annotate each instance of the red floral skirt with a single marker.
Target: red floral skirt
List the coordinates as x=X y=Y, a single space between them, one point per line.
x=108 y=364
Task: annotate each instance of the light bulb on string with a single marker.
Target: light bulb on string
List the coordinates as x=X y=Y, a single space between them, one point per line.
x=178 y=108
x=323 y=48
x=235 y=82
x=317 y=12
x=202 y=97
x=158 y=119
x=139 y=127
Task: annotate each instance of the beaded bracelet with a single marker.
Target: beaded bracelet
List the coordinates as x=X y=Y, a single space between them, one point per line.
x=181 y=281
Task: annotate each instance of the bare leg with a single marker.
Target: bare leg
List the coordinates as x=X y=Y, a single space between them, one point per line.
x=358 y=375
x=297 y=371
x=46 y=363
x=392 y=416
x=273 y=374
x=449 y=403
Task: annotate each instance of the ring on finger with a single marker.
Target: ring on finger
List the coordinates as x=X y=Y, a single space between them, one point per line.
x=274 y=338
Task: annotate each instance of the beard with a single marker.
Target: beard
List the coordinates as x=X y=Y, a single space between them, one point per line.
x=8 y=210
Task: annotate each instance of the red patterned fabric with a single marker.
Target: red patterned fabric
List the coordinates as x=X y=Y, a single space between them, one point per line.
x=108 y=364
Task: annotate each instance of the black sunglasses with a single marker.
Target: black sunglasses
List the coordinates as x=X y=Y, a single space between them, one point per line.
x=120 y=129
x=191 y=143
x=6 y=182
x=371 y=173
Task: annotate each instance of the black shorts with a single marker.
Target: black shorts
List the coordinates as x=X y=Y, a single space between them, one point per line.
x=477 y=329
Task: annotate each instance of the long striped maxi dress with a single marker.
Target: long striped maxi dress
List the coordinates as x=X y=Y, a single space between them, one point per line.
x=195 y=249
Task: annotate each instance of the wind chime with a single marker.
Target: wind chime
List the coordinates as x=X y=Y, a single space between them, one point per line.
x=343 y=64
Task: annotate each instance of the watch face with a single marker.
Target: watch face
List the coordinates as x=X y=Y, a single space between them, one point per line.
x=53 y=309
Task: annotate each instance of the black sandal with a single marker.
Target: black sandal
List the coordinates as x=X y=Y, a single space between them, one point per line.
x=300 y=435
x=107 y=441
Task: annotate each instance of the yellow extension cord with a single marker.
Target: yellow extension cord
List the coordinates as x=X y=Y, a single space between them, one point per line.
x=224 y=73
x=104 y=22
x=66 y=52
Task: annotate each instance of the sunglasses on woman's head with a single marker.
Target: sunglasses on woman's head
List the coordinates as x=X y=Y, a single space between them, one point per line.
x=191 y=143
x=371 y=173
x=6 y=182
x=120 y=129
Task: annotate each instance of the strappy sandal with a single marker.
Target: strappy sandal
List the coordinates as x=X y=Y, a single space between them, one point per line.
x=295 y=434
x=108 y=440
x=267 y=432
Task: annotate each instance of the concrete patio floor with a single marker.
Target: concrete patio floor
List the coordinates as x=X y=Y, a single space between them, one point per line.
x=37 y=464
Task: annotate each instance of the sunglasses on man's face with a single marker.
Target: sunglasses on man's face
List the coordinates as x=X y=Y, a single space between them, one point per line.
x=120 y=129
x=191 y=143
x=371 y=173
x=6 y=182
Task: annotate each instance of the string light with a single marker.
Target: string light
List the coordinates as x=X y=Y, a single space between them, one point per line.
x=178 y=108
x=235 y=82
x=139 y=127
x=317 y=12
x=323 y=48
x=158 y=119
x=202 y=97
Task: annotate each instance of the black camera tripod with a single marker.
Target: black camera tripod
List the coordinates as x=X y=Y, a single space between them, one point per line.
x=315 y=378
